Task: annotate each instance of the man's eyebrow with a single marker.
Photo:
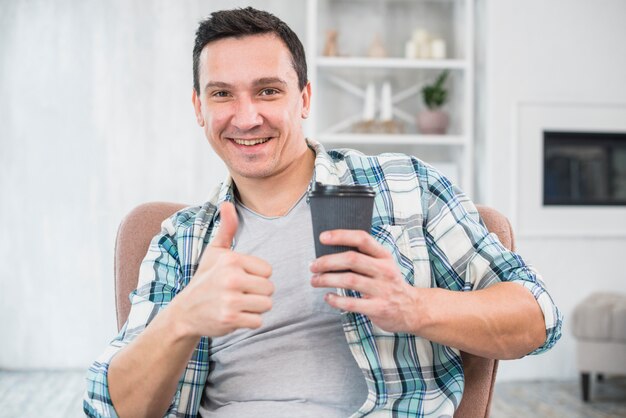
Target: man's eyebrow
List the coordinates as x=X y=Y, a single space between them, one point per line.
x=269 y=80
x=264 y=81
x=256 y=83
x=216 y=84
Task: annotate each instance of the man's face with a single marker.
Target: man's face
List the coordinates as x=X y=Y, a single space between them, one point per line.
x=250 y=105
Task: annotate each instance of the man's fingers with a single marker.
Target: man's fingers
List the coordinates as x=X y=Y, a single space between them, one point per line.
x=224 y=239
x=249 y=320
x=255 y=303
x=228 y=226
x=254 y=265
x=358 y=239
x=347 y=280
x=363 y=306
x=349 y=260
x=253 y=284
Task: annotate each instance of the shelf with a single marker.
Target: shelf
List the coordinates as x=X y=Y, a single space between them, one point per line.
x=342 y=82
x=400 y=139
x=365 y=62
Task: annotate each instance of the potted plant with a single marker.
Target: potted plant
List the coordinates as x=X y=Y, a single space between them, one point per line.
x=433 y=120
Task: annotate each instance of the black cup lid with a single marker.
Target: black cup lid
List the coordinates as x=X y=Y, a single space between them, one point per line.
x=320 y=189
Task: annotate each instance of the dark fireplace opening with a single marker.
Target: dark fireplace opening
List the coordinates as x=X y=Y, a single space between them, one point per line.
x=584 y=168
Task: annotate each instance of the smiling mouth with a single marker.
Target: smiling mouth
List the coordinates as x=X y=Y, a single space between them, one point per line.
x=250 y=142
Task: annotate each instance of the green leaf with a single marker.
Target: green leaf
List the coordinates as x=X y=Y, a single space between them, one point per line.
x=435 y=95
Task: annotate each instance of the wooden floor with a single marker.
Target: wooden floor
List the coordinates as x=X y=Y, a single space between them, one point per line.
x=59 y=394
x=559 y=399
x=41 y=394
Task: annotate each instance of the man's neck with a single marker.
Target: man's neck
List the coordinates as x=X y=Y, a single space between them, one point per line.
x=275 y=195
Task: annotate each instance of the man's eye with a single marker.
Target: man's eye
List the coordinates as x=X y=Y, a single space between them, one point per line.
x=269 y=92
x=220 y=94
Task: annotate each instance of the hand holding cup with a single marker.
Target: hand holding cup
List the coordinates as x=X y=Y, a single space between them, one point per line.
x=351 y=260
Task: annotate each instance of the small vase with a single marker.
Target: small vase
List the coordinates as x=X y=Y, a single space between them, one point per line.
x=432 y=122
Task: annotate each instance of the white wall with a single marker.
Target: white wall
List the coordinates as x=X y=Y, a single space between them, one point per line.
x=95 y=118
x=560 y=50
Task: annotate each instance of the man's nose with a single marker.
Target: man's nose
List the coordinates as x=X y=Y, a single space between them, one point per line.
x=246 y=115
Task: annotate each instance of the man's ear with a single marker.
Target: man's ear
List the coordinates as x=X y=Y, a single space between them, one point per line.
x=197 y=107
x=306 y=100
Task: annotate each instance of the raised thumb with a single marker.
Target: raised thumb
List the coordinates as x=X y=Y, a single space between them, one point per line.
x=227 y=228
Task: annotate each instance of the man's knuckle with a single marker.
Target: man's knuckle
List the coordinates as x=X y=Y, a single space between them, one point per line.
x=351 y=280
x=230 y=300
x=364 y=238
x=320 y=264
x=387 y=271
x=256 y=322
x=390 y=309
x=230 y=259
x=227 y=317
x=232 y=283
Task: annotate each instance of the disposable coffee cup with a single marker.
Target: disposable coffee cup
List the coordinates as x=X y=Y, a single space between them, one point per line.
x=340 y=207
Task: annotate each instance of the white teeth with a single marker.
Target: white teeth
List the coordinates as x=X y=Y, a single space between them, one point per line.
x=249 y=142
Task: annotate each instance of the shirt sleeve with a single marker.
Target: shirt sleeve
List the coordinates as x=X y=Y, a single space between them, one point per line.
x=158 y=283
x=465 y=256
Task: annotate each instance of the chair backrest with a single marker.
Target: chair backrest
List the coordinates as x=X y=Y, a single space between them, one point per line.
x=131 y=245
x=480 y=372
x=144 y=222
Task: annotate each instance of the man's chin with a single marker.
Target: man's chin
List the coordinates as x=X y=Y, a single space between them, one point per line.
x=252 y=173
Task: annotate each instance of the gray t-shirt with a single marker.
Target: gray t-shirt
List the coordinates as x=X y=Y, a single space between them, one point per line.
x=298 y=364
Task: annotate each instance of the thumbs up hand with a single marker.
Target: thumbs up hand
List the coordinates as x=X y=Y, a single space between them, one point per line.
x=229 y=290
x=228 y=227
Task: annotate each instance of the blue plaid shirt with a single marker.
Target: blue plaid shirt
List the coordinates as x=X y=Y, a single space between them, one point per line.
x=432 y=229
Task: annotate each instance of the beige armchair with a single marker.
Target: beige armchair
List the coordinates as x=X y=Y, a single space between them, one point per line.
x=144 y=222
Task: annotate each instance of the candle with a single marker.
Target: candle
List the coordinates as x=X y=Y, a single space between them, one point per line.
x=386 y=112
x=438 y=49
x=369 y=108
x=420 y=35
x=423 y=49
x=410 y=50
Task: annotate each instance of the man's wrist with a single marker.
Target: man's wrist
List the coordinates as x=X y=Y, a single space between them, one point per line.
x=176 y=320
x=421 y=312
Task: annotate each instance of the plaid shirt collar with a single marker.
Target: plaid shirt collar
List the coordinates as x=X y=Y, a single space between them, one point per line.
x=326 y=171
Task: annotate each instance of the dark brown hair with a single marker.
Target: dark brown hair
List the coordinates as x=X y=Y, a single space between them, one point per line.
x=237 y=23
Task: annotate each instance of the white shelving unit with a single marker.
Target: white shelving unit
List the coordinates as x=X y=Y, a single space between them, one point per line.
x=397 y=139
x=364 y=62
x=339 y=82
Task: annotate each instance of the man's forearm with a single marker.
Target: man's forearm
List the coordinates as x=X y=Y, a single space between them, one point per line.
x=503 y=321
x=144 y=375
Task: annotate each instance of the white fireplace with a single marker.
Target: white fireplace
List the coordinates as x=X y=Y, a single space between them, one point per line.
x=531 y=215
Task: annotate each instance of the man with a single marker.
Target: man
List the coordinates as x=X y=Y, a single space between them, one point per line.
x=230 y=319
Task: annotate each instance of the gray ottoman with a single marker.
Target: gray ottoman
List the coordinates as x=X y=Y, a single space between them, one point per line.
x=599 y=323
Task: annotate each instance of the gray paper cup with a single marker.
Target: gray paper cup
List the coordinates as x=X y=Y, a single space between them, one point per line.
x=340 y=207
